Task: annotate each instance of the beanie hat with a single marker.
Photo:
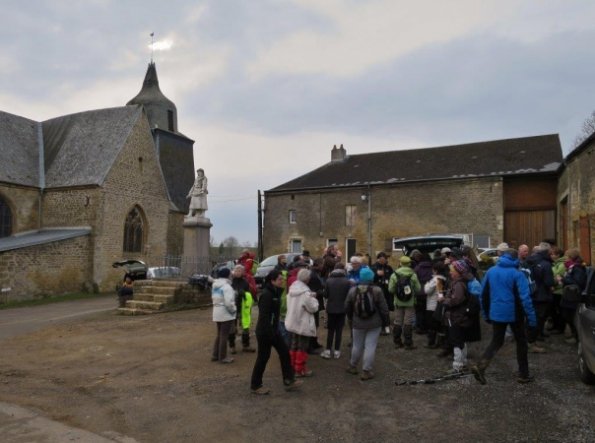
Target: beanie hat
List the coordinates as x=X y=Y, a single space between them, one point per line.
x=405 y=261
x=366 y=275
x=223 y=273
x=461 y=267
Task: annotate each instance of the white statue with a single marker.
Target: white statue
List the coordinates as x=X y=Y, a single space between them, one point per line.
x=198 y=195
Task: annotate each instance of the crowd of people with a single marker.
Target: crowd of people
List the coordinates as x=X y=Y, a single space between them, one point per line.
x=526 y=295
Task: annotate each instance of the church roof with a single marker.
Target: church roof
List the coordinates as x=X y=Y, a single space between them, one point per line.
x=19 y=150
x=72 y=140
x=41 y=237
x=510 y=157
x=150 y=92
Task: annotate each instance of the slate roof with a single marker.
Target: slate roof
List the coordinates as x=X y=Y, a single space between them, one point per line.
x=81 y=148
x=41 y=237
x=518 y=156
x=19 y=150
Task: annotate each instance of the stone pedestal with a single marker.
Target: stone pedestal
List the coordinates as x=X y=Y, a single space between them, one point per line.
x=197 y=236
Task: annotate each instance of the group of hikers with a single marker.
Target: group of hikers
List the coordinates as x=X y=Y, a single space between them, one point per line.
x=440 y=295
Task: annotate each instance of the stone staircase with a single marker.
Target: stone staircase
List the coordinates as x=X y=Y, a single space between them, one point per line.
x=153 y=296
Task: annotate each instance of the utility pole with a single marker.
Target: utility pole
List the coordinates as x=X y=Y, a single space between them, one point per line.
x=260 y=216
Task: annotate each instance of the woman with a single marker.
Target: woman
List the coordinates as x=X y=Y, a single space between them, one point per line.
x=268 y=336
x=300 y=322
x=576 y=275
x=224 y=314
x=367 y=311
x=435 y=287
x=335 y=292
x=456 y=316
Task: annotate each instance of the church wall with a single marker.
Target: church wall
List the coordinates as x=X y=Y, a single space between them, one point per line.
x=135 y=179
x=175 y=234
x=71 y=207
x=472 y=206
x=24 y=206
x=43 y=270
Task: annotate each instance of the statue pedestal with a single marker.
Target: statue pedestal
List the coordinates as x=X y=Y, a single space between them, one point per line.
x=197 y=236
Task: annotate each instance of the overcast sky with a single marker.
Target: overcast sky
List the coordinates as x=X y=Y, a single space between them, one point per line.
x=266 y=88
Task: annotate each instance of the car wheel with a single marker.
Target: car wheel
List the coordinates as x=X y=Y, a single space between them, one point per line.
x=585 y=374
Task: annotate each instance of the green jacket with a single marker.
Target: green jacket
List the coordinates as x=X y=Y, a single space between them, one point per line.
x=559 y=269
x=404 y=271
x=247 y=310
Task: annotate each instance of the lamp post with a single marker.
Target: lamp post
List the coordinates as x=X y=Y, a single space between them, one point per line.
x=367 y=197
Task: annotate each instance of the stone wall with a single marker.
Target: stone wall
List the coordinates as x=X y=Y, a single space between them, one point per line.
x=24 y=206
x=466 y=206
x=49 y=269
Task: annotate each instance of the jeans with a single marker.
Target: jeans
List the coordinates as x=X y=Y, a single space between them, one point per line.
x=265 y=344
x=364 y=342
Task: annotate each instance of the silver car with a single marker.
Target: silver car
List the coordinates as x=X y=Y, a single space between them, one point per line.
x=585 y=325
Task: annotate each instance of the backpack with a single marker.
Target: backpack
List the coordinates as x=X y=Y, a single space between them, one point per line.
x=364 y=303
x=404 y=289
x=529 y=273
x=473 y=306
x=474 y=287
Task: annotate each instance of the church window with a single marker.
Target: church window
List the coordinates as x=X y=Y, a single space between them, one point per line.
x=134 y=231
x=5 y=219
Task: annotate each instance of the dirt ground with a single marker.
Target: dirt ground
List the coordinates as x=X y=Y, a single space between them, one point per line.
x=150 y=378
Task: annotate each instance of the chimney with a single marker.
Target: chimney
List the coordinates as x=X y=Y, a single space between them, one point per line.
x=338 y=155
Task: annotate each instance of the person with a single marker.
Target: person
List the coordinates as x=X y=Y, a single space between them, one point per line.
x=268 y=336
x=316 y=285
x=433 y=289
x=540 y=264
x=224 y=314
x=126 y=291
x=559 y=270
x=404 y=284
x=281 y=263
x=576 y=274
x=367 y=311
x=506 y=301
x=423 y=270
x=335 y=293
x=198 y=195
x=457 y=316
x=299 y=321
x=248 y=261
x=244 y=300
x=355 y=265
x=471 y=259
x=382 y=273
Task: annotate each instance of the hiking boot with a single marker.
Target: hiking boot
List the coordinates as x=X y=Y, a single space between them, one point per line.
x=226 y=360
x=326 y=354
x=304 y=373
x=367 y=375
x=535 y=349
x=337 y=354
x=260 y=391
x=352 y=370
x=570 y=341
x=293 y=385
x=525 y=378
x=248 y=349
x=233 y=350
x=479 y=374
x=453 y=371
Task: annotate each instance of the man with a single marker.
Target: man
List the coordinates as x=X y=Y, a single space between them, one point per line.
x=540 y=264
x=404 y=284
x=355 y=263
x=506 y=301
x=382 y=273
x=523 y=254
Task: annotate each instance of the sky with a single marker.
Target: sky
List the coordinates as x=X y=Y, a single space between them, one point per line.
x=267 y=87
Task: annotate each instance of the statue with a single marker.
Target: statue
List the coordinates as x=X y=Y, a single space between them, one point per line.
x=198 y=195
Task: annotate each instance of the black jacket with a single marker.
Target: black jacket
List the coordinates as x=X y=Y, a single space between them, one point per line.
x=540 y=265
x=269 y=307
x=335 y=291
x=240 y=286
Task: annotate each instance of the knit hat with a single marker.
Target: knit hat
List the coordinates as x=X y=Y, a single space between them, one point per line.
x=366 y=275
x=405 y=261
x=461 y=267
x=223 y=273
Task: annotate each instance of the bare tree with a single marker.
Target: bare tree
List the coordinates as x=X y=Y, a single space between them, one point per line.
x=587 y=129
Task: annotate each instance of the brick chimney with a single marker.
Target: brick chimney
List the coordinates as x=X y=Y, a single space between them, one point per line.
x=339 y=154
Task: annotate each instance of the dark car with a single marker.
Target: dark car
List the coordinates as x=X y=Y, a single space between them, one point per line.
x=268 y=264
x=225 y=264
x=427 y=244
x=585 y=325
x=135 y=268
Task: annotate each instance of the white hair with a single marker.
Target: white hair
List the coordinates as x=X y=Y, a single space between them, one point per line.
x=304 y=275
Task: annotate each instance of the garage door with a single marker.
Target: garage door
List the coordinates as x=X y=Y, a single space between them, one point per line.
x=529 y=227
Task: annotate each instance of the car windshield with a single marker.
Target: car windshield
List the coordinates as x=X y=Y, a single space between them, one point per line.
x=269 y=261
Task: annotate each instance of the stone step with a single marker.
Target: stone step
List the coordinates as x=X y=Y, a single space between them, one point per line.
x=135 y=311
x=161 y=298
x=164 y=282
x=156 y=289
x=141 y=304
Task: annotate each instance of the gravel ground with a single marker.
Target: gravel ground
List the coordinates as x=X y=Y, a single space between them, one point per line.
x=150 y=378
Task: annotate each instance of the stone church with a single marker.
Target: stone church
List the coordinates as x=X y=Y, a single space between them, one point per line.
x=81 y=191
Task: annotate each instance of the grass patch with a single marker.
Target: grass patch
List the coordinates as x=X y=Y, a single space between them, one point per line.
x=45 y=300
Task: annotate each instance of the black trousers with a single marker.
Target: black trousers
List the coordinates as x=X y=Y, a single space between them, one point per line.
x=335 y=323
x=542 y=310
x=520 y=337
x=265 y=345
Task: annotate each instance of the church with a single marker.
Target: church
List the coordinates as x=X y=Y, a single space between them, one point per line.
x=81 y=191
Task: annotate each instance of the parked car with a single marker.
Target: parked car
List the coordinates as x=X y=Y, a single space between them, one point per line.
x=585 y=325
x=164 y=272
x=487 y=254
x=426 y=244
x=225 y=264
x=135 y=268
x=268 y=264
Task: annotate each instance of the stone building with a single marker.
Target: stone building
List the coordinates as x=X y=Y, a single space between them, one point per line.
x=489 y=191
x=81 y=191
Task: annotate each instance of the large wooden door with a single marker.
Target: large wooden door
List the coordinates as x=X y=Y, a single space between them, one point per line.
x=529 y=227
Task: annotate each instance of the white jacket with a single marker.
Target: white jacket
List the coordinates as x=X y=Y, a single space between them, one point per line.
x=431 y=290
x=301 y=306
x=224 y=300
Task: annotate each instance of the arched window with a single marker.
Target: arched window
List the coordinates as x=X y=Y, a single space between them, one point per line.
x=5 y=219
x=134 y=231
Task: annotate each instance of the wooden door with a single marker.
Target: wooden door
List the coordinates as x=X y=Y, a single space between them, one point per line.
x=529 y=227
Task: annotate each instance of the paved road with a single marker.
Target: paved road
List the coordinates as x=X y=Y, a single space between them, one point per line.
x=19 y=321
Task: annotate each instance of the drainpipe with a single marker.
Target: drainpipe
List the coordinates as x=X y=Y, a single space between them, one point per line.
x=41 y=173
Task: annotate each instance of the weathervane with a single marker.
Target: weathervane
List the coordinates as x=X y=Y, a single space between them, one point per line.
x=152 y=45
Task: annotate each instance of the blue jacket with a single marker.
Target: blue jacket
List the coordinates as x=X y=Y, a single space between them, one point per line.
x=498 y=292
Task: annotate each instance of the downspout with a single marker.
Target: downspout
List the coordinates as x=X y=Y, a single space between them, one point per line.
x=369 y=222
x=41 y=173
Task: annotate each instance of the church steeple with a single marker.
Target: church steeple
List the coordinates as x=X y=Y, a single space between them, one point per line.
x=161 y=111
